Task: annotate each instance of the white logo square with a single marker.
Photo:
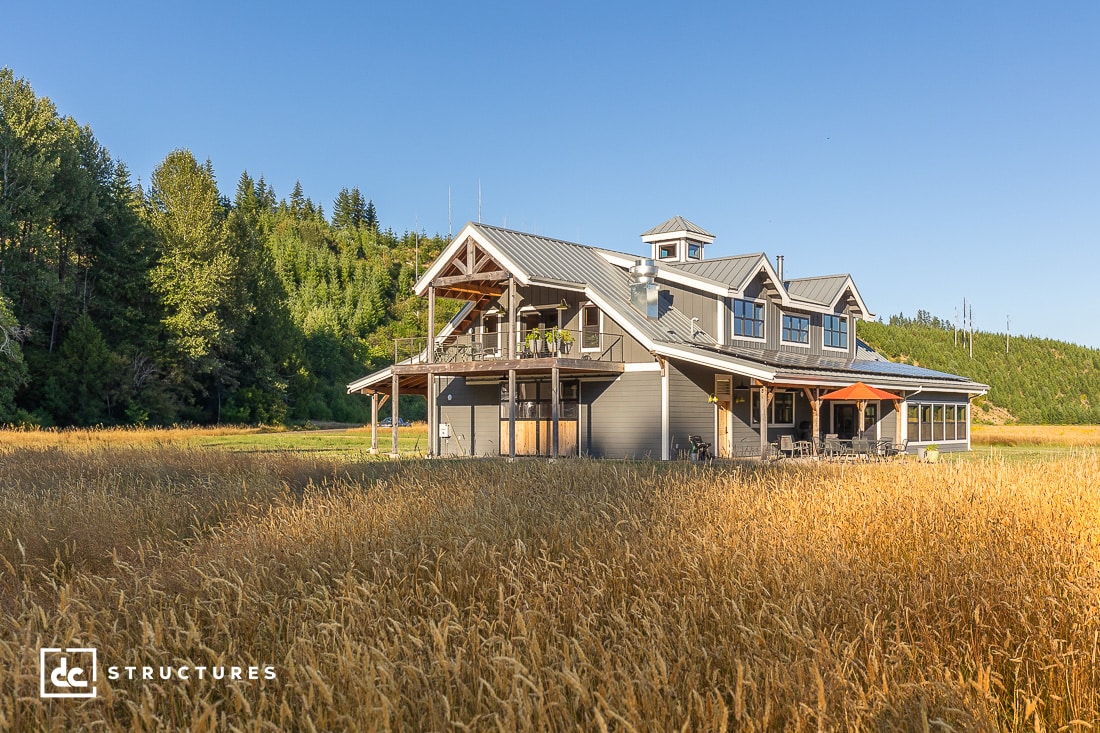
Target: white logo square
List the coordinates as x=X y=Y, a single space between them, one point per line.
x=67 y=672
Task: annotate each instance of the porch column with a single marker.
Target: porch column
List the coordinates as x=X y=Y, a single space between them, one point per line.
x=432 y=437
x=512 y=413
x=555 y=396
x=814 y=399
x=510 y=352
x=899 y=421
x=431 y=326
x=373 y=423
x=393 y=411
x=763 y=422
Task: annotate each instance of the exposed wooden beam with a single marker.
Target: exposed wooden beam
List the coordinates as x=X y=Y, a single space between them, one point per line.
x=486 y=290
x=491 y=276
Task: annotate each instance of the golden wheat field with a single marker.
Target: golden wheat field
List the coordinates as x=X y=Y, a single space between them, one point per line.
x=487 y=595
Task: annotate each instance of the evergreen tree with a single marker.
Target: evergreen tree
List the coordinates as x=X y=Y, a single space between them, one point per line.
x=370 y=217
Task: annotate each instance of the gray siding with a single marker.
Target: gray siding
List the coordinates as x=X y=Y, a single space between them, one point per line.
x=473 y=413
x=689 y=412
x=622 y=418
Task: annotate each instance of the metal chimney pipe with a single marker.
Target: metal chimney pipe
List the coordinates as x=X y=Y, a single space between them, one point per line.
x=779 y=267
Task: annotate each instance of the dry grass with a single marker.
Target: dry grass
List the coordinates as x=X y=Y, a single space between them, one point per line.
x=532 y=596
x=1036 y=435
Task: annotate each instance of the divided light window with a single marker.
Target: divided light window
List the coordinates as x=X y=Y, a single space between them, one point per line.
x=781 y=412
x=796 y=329
x=836 y=332
x=748 y=319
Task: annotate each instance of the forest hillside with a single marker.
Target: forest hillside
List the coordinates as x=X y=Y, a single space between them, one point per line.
x=1032 y=380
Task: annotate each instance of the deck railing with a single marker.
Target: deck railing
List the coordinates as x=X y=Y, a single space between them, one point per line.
x=550 y=344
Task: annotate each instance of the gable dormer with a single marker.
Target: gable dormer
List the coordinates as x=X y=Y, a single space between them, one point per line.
x=677 y=240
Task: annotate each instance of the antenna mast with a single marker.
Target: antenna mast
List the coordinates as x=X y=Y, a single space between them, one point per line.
x=450 y=221
x=479 y=201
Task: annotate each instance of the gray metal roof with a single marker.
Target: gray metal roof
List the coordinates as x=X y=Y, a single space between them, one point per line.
x=554 y=260
x=823 y=290
x=730 y=271
x=677 y=224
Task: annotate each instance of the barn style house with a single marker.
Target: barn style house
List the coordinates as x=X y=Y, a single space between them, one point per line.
x=567 y=349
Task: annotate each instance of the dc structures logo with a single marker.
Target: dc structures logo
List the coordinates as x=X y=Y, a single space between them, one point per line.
x=67 y=672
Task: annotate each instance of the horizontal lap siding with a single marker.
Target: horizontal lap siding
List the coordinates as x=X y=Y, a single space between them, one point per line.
x=622 y=418
x=689 y=411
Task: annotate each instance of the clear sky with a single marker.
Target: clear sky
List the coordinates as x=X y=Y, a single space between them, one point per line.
x=934 y=150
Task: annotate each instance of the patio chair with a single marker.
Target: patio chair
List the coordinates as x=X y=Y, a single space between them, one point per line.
x=786 y=445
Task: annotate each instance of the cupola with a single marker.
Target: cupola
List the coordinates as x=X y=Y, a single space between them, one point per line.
x=677 y=240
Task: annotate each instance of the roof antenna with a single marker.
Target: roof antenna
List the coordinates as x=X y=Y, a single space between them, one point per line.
x=450 y=221
x=479 y=201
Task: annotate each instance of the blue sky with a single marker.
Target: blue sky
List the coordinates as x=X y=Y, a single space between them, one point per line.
x=935 y=150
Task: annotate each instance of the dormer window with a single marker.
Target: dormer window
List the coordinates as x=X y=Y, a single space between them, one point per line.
x=796 y=329
x=748 y=319
x=667 y=251
x=835 y=332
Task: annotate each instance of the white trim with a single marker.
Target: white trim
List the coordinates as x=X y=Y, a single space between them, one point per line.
x=641 y=366
x=664 y=411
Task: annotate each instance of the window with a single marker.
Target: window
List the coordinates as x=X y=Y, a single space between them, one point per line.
x=796 y=329
x=932 y=422
x=870 y=416
x=836 y=332
x=590 y=328
x=781 y=412
x=748 y=319
x=667 y=251
x=695 y=250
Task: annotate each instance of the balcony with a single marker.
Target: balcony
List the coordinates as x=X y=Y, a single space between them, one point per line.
x=538 y=350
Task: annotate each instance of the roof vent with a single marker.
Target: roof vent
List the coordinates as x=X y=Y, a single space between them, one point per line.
x=644 y=290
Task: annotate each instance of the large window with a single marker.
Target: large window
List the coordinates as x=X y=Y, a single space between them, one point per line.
x=781 y=412
x=932 y=422
x=836 y=332
x=796 y=329
x=748 y=319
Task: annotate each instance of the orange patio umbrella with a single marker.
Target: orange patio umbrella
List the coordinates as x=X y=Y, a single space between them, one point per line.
x=861 y=392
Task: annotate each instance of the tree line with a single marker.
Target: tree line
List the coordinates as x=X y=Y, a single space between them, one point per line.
x=124 y=305
x=1038 y=380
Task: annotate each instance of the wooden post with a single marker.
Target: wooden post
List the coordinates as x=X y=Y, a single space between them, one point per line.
x=899 y=421
x=431 y=327
x=814 y=399
x=510 y=352
x=512 y=413
x=373 y=423
x=396 y=386
x=861 y=405
x=433 y=437
x=555 y=395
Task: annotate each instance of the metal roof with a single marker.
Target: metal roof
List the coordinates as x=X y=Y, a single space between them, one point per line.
x=731 y=271
x=823 y=290
x=676 y=225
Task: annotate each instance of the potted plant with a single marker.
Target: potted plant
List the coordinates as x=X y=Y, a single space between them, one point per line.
x=534 y=340
x=561 y=341
x=932 y=452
